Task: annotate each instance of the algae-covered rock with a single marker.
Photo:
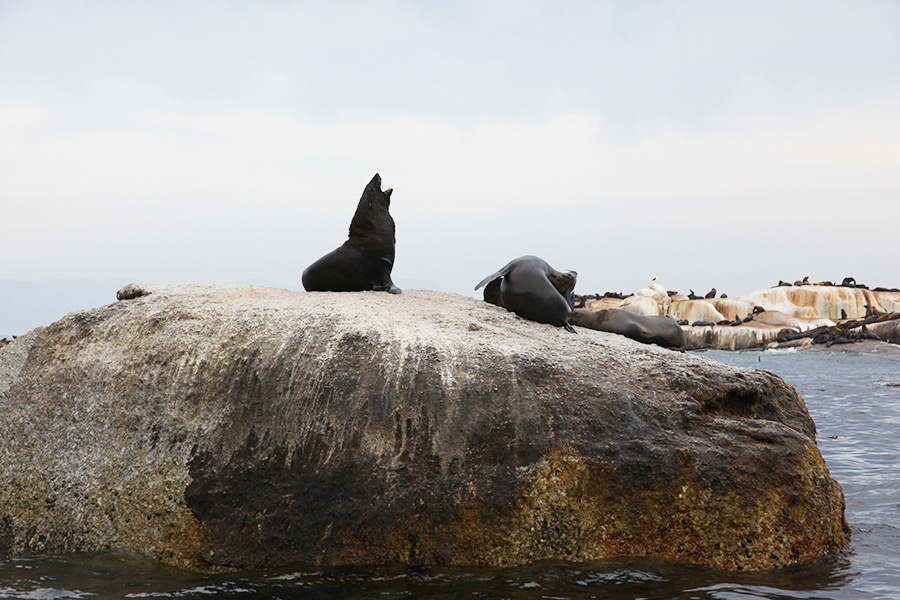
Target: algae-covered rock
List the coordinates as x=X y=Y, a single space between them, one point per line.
x=221 y=427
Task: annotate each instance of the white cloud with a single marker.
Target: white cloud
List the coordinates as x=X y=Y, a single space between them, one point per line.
x=225 y=142
x=218 y=195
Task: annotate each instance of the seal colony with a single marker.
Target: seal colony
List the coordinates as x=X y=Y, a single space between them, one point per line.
x=777 y=317
x=529 y=287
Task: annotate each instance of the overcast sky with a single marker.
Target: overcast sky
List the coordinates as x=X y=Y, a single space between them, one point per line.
x=726 y=144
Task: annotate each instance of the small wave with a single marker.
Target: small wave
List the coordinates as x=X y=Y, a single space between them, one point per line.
x=43 y=594
x=202 y=590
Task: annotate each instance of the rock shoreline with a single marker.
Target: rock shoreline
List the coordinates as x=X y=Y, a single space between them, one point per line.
x=224 y=427
x=771 y=318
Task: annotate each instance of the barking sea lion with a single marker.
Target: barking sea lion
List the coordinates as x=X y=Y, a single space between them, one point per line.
x=365 y=260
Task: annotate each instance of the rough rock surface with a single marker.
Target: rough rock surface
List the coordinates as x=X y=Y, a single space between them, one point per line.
x=230 y=426
x=775 y=318
x=696 y=310
x=888 y=331
x=724 y=337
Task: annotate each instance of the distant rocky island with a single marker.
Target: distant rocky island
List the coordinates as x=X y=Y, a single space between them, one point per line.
x=783 y=316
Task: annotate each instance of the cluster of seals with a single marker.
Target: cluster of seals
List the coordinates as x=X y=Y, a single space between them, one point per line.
x=581 y=301
x=846 y=282
x=365 y=261
x=660 y=330
x=534 y=290
x=737 y=320
x=692 y=296
x=847 y=332
x=527 y=286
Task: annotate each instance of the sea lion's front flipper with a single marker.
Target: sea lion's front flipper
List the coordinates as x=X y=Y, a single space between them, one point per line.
x=569 y=328
x=492 y=292
x=389 y=287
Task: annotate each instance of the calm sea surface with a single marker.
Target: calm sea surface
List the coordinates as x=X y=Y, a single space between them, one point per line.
x=854 y=399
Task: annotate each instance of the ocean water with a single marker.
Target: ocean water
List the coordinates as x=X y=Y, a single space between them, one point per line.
x=854 y=399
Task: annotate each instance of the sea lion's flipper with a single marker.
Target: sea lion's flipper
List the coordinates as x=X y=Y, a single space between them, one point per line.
x=569 y=328
x=501 y=273
x=492 y=277
x=492 y=292
x=389 y=287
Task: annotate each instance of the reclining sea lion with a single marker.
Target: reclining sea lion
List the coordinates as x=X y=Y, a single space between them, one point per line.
x=534 y=290
x=659 y=330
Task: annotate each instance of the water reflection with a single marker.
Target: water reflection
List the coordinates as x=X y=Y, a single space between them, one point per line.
x=112 y=575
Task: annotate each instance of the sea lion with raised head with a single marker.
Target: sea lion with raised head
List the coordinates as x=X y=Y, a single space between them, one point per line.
x=660 y=330
x=532 y=289
x=365 y=260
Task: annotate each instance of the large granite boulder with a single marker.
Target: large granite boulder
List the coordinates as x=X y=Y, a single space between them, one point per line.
x=230 y=426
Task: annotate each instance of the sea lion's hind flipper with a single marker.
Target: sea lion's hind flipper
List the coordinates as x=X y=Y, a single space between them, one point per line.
x=568 y=327
x=492 y=292
x=491 y=277
x=501 y=273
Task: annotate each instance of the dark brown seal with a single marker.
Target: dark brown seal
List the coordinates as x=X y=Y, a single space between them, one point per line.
x=365 y=260
x=662 y=331
x=532 y=289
